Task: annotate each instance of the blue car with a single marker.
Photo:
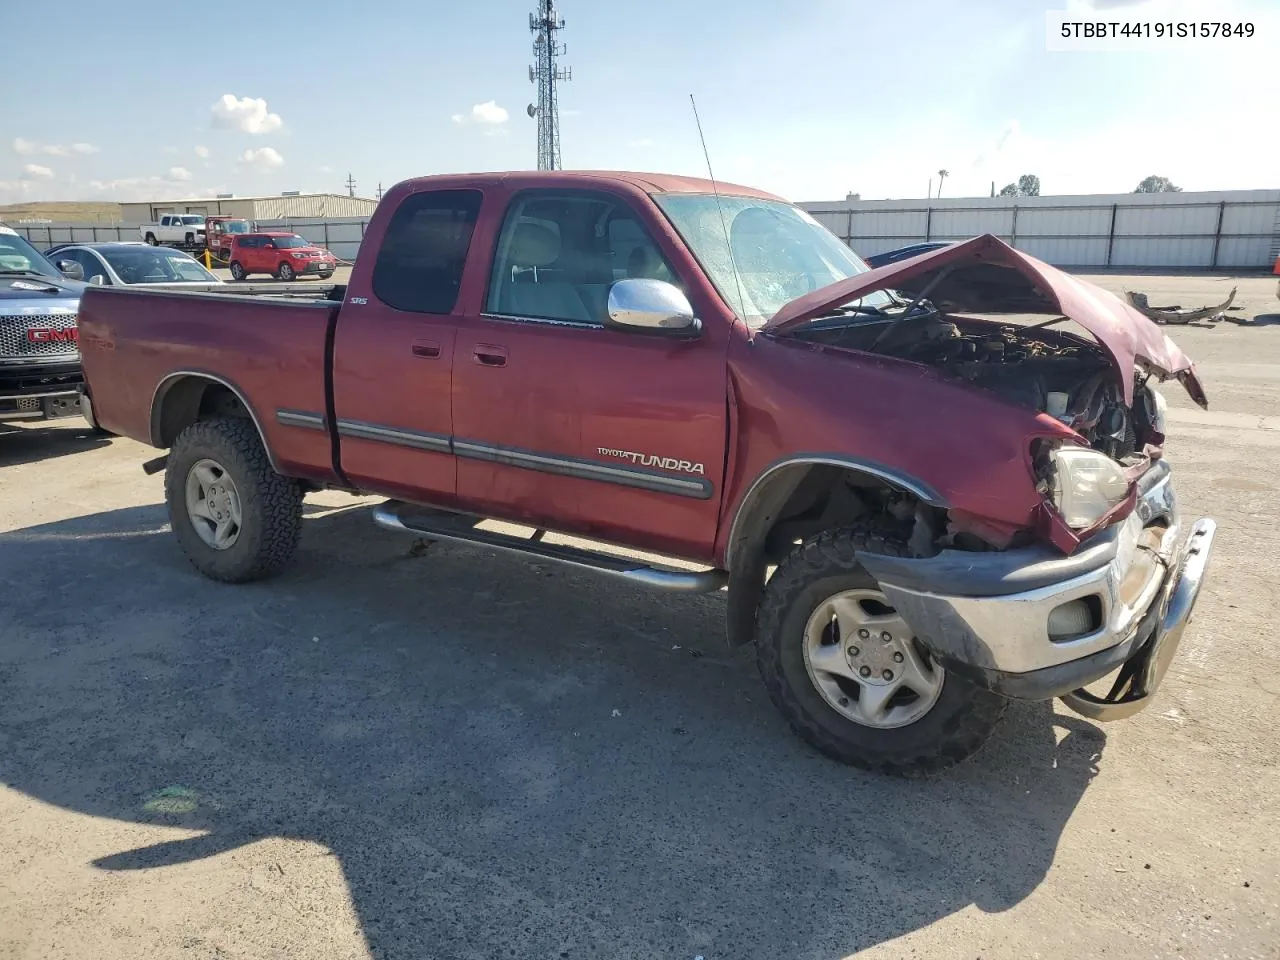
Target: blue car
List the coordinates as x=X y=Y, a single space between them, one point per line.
x=905 y=253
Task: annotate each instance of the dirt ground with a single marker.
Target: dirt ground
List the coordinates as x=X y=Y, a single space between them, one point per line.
x=463 y=755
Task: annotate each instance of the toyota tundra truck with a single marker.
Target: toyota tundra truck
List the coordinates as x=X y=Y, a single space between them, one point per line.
x=40 y=374
x=929 y=488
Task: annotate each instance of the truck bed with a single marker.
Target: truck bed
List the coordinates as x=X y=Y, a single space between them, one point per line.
x=268 y=349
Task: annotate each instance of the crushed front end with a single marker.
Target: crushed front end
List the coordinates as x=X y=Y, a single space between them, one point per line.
x=1031 y=623
x=1104 y=577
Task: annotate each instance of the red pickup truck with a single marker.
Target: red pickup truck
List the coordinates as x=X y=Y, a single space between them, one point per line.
x=928 y=488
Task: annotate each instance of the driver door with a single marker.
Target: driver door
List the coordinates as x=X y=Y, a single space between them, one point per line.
x=564 y=423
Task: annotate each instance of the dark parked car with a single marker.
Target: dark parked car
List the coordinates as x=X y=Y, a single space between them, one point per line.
x=905 y=253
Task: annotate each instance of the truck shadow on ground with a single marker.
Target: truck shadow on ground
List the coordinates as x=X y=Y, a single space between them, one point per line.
x=28 y=444
x=505 y=758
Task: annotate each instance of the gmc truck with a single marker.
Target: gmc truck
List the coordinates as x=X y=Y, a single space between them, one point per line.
x=928 y=488
x=40 y=374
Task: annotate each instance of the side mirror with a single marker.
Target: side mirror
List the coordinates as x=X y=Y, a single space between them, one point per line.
x=70 y=269
x=655 y=306
x=98 y=280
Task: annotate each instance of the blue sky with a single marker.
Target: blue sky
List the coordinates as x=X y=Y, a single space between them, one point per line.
x=810 y=99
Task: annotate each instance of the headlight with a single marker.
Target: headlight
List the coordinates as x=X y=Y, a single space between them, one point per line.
x=300 y=256
x=1087 y=485
x=1160 y=407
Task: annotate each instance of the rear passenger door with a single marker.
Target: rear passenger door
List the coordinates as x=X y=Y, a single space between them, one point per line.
x=562 y=422
x=394 y=349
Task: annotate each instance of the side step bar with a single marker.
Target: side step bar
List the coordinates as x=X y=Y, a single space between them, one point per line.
x=461 y=528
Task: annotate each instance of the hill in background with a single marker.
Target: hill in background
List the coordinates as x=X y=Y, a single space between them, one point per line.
x=59 y=211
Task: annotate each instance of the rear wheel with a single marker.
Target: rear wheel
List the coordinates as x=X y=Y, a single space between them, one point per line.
x=151 y=239
x=847 y=672
x=237 y=270
x=285 y=272
x=235 y=518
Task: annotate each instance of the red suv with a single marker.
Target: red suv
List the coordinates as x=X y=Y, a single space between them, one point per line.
x=283 y=255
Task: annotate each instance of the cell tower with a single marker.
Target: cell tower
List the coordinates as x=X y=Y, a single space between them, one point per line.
x=544 y=25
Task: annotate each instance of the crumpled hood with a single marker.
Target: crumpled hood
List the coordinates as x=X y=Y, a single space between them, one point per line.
x=986 y=275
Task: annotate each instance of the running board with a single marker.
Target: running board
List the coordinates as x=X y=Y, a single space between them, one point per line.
x=461 y=528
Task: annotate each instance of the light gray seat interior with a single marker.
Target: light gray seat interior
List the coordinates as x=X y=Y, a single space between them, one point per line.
x=530 y=292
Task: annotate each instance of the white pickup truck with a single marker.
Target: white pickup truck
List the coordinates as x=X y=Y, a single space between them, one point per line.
x=186 y=229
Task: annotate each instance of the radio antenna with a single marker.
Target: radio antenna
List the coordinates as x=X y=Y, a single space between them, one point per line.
x=724 y=224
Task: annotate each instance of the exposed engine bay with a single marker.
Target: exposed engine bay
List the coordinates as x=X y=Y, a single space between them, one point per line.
x=1059 y=373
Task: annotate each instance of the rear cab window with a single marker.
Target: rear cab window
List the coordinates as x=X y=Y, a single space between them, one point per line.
x=424 y=250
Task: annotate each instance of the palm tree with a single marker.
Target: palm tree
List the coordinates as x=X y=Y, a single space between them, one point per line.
x=942 y=175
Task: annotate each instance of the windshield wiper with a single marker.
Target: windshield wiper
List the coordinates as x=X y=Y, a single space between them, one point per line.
x=24 y=273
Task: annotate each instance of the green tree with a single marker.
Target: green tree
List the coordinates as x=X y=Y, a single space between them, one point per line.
x=1157 y=185
x=1028 y=185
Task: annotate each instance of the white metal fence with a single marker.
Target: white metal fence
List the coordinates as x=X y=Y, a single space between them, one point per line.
x=1222 y=230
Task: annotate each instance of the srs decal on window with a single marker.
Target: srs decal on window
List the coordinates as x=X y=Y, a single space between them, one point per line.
x=650 y=460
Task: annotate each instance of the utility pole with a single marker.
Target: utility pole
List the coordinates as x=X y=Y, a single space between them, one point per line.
x=379 y=189
x=544 y=25
x=351 y=185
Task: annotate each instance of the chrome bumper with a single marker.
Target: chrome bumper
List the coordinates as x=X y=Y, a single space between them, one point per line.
x=1140 y=584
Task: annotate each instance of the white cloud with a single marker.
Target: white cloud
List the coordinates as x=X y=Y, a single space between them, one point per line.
x=170 y=151
x=27 y=148
x=262 y=159
x=33 y=171
x=202 y=152
x=248 y=114
x=325 y=169
x=178 y=173
x=487 y=114
x=642 y=143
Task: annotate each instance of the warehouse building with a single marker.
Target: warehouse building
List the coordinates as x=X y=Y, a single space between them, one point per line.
x=284 y=206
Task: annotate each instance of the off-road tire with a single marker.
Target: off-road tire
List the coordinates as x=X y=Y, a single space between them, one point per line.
x=958 y=724
x=270 y=505
x=238 y=271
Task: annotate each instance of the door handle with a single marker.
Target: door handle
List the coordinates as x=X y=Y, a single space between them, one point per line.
x=426 y=348
x=489 y=355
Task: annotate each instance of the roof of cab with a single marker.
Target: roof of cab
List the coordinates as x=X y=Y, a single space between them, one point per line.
x=533 y=179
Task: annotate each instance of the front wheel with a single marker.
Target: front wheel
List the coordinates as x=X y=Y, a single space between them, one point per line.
x=847 y=672
x=285 y=272
x=235 y=518
x=237 y=270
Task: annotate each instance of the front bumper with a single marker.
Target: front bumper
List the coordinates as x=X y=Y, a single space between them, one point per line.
x=987 y=615
x=39 y=391
x=315 y=266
